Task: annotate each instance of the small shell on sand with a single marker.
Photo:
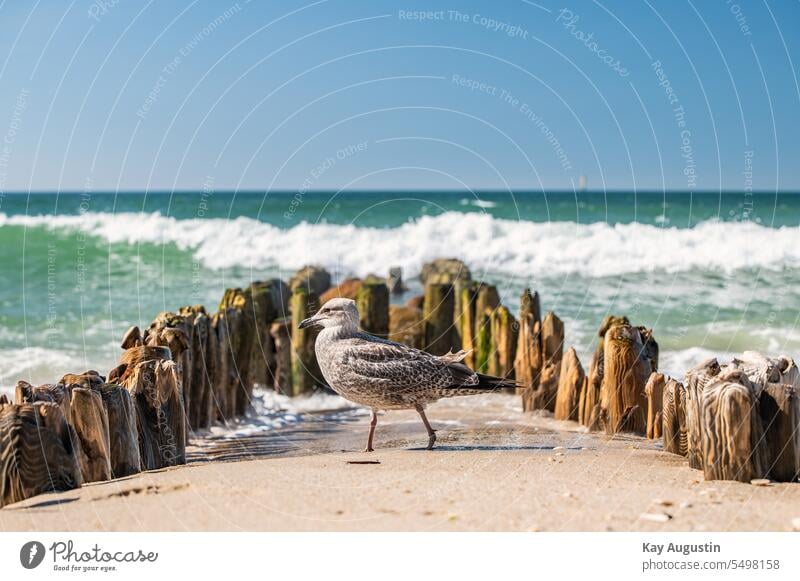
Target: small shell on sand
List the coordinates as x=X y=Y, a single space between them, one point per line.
x=760 y=482
x=655 y=517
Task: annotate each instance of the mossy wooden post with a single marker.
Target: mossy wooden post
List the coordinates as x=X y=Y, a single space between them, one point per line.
x=780 y=413
x=504 y=343
x=242 y=305
x=465 y=319
x=270 y=300
x=373 y=306
x=697 y=379
x=40 y=452
x=304 y=360
x=674 y=418
x=90 y=420
x=528 y=356
x=654 y=391
x=487 y=301
x=223 y=379
x=123 y=438
x=406 y=326
x=282 y=339
x=438 y=315
x=625 y=374
x=733 y=441
x=570 y=383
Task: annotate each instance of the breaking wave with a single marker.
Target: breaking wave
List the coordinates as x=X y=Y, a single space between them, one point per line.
x=487 y=244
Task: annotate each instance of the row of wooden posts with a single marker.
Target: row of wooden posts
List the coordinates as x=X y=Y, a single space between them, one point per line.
x=191 y=369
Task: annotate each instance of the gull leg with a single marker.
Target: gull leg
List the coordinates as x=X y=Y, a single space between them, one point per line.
x=372 y=423
x=431 y=431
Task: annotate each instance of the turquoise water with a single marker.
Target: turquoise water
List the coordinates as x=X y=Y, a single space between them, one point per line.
x=711 y=273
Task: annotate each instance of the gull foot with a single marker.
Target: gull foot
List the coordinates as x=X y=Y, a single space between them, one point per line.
x=431 y=441
x=369 y=449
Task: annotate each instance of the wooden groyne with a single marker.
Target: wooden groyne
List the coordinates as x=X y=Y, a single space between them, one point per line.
x=193 y=368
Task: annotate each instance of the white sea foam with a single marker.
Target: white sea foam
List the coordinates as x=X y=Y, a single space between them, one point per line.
x=486 y=243
x=38 y=365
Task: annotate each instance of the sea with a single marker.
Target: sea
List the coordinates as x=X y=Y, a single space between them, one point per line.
x=710 y=273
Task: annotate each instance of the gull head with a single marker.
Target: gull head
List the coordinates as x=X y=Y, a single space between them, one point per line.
x=334 y=313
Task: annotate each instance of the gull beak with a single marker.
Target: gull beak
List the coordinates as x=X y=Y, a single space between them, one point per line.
x=306 y=323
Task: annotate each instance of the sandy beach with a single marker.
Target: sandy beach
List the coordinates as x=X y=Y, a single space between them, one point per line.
x=494 y=469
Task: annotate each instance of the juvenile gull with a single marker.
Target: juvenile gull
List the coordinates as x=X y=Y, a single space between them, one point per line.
x=384 y=375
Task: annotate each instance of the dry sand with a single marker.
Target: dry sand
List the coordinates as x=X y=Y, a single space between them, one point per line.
x=494 y=469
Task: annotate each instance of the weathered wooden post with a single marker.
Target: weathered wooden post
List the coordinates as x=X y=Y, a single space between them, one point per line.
x=373 y=306
x=570 y=382
x=438 y=316
x=240 y=306
x=270 y=301
x=779 y=408
x=504 y=343
x=465 y=320
x=674 y=418
x=57 y=393
x=487 y=300
x=314 y=279
x=123 y=439
x=154 y=387
x=304 y=360
x=406 y=326
x=622 y=396
x=282 y=339
x=732 y=435
x=528 y=357
x=225 y=325
x=90 y=420
x=552 y=339
x=654 y=391
x=38 y=452
x=697 y=379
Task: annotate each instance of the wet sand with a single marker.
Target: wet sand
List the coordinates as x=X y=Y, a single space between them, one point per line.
x=494 y=469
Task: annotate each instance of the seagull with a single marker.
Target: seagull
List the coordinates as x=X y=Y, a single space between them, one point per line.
x=384 y=375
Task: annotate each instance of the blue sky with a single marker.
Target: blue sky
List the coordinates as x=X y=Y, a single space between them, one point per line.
x=336 y=94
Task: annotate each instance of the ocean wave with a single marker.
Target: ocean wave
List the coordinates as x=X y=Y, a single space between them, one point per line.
x=486 y=243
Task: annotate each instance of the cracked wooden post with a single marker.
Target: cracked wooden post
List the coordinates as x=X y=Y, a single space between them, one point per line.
x=40 y=452
x=697 y=379
x=90 y=419
x=438 y=316
x=592 y=402
x=282 y=339
x=123 y=438
x=528 y=357
x=504 y=343
x=654 y=391
x=674 y=418
x=304 y=360
x=779 y=408
x=372 y=300
x=732 y=435
x=570 y=382
x=56 y=393
x=623 y=401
